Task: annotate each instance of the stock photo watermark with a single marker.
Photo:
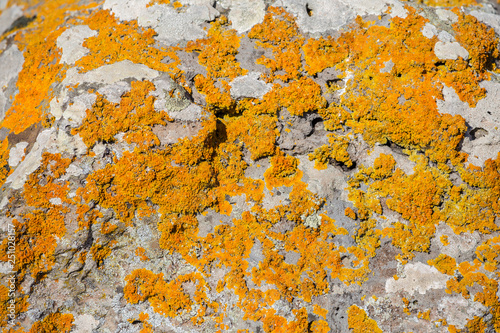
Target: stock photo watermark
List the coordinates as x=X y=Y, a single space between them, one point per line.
x=11 y=280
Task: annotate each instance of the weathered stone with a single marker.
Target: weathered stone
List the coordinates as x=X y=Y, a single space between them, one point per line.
x=249 y=86
x=12 y=62
x=71 y=42
x=417 y=278
x=244 y=14
x=32 y=161
x=450 y=51
x=17 y=154
x=8 y=17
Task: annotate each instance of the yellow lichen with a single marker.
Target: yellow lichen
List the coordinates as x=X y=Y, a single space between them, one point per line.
x=444 y=263
x=280 y=33
x=41 y=67
x=134 y=115
x=54 y=322
x=4 y=157
x=283 y=171
x=124 y=41
x=359 y=321
x=44 y=221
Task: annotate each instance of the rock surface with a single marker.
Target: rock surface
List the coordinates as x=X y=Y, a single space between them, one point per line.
x=249 y=166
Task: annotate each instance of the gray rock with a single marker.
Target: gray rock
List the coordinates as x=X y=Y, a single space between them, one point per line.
x=76 y=112
x=388 y=67
x=429 y=30
x=483 y=137
x=459 y=310
x=377 y=7
x=17 y=153
x=31 y=162
x=249 y=86
x=109 y=74
x=292 y=257
x=12 y=63
x=245 y=14
x=419 y=278
x=445 y=37
x=71 y=41
x=318 y=16
x=450 y=51
x=172 y=26
x=113 y=92
x=9 y=16
x=493 y=20
x=446 y=15
x=85 y=323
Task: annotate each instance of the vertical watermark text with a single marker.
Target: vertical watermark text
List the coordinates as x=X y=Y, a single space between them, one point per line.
x=11 y=280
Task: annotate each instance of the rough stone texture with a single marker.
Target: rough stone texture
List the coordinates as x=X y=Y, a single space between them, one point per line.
x=244 y=14
x=447 y=50
x=197 y=186
x=9 y=16
x=31 y=161
x=109 y=74
x=483 y=136
x=249 y=85
x=17 y=153
x=71 y=42
x=417 y=278
x=13 y=60
x=171 y=25
x=493 y=20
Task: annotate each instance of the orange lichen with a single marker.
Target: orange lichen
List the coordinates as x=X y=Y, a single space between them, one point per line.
x=54 y=322
x=350 y=213
x=320 y=311
x=301 y=96
x=322 y=53
x=257 y=132
x=100 y=252
x=280 y=33
x=174 y=183
x=107 y=228
x=320 y=326
x=158 y=2
x=4 y=157
x=41 y=68
x=359 y=321
x=283 y=171
x=217 y=54
x=479 y=40
x=444 y=263
x=395 y=106
x=415 y=197
x=124 y=41
x=481 y=43
x=426 y=315
x=134 y=114
x=82 y=257
x=335 y=151
x=141 y=253
x=44 y=222
x=167 y=298
x=146 y=327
